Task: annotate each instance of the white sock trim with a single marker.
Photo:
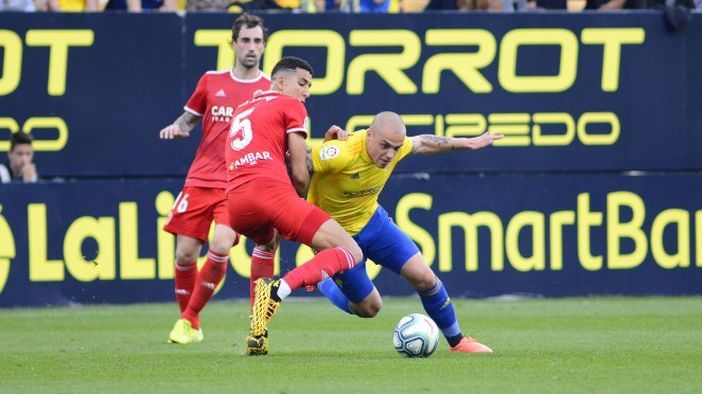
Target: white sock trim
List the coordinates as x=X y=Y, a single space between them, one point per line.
x=283 y=290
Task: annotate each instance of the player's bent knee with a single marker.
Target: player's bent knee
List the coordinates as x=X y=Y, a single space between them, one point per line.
x=187 y=249
x=331 y=235
x=417 y=273
x=356 y=253
x=425 y=282
x=220 y=249
x=373 y=310
x=222 y=245
x=366 y=311
x=186 y=256
x=370 y=306
x=224 y=239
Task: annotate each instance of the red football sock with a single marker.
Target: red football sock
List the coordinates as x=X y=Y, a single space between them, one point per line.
x=261 y=267
x=323 y=265
x=185 y=275
x=207 y=281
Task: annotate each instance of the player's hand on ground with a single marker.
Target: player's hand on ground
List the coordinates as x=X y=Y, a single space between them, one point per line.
x=336 y=133
x=173 y=131
x=486 y=139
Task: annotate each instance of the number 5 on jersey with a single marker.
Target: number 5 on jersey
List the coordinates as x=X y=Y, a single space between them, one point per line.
x=241 y=130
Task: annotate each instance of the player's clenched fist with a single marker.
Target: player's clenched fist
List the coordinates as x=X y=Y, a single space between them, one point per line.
x=173 y=131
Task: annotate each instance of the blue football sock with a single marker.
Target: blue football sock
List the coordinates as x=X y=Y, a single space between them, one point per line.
x=332 y=291
x=439 y=307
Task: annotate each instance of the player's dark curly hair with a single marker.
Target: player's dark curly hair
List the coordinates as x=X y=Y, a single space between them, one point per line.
x=19 y=139
x=290 y=63
x=250 y=21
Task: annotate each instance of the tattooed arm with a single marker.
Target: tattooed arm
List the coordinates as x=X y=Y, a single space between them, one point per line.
x=181 y=128
x=429 y=143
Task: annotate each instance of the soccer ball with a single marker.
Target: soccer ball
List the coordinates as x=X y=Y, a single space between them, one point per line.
x=416 y=335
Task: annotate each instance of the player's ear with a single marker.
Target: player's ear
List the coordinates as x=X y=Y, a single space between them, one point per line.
x=280 y=81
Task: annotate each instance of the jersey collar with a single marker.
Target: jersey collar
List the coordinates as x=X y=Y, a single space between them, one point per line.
x=234 y=77
x=262 y=93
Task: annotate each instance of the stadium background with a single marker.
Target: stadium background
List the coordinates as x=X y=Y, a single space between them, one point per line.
x=595 y=190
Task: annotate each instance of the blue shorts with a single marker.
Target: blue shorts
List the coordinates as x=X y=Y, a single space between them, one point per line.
x=384 y=243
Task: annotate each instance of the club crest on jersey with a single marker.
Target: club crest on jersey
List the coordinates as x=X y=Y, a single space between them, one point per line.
x=329 y=152
x=221 y=114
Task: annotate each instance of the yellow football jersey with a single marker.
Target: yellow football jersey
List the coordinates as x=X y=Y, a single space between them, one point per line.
x=346 y=183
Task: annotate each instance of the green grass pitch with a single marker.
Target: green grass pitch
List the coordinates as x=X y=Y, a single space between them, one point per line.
x=634 y=345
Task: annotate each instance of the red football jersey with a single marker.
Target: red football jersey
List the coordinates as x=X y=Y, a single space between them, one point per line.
x=215 y=98
x=258 y=138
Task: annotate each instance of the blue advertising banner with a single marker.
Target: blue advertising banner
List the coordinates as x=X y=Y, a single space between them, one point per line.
x=570 y=91
x=594 y=189
x=90 y=91
x=551 y=235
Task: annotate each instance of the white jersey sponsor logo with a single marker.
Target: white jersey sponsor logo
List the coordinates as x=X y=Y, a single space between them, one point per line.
x=252 y=158
x=221 y=114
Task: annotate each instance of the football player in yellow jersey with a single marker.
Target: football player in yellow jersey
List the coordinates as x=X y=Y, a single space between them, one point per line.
x=348 y=176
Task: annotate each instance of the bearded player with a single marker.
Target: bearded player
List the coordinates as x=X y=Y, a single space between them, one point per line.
x=202 y=199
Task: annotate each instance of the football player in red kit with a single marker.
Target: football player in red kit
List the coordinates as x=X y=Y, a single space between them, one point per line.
x=263 y=198
x=202 y=199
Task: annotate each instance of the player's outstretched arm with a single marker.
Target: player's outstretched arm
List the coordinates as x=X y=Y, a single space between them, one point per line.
x=181 y=128
x=429 y=143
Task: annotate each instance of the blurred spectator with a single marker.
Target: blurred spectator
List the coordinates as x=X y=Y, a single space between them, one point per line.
x=17 y=5
x=77 y=5
x=443 y=4
x=208 y=5
x=636 y=4
x=288 y=4
x=140 y=5
x=466 y=5
x=409 y=6
x=604 y=5
x=254 y=5
x=374 y=6
x=50 y=5
x=19 y=166
x=332 y=5
x=547 y=4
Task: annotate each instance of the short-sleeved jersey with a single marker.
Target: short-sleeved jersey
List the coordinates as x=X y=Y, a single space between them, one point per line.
x=215 y=98
x=258 y=139
x=346 y=183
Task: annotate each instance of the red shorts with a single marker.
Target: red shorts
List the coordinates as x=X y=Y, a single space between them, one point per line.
x=194 y=210
x=260 y=206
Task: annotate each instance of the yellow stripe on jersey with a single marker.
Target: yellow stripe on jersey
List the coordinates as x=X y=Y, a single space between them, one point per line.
x=346 y=183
